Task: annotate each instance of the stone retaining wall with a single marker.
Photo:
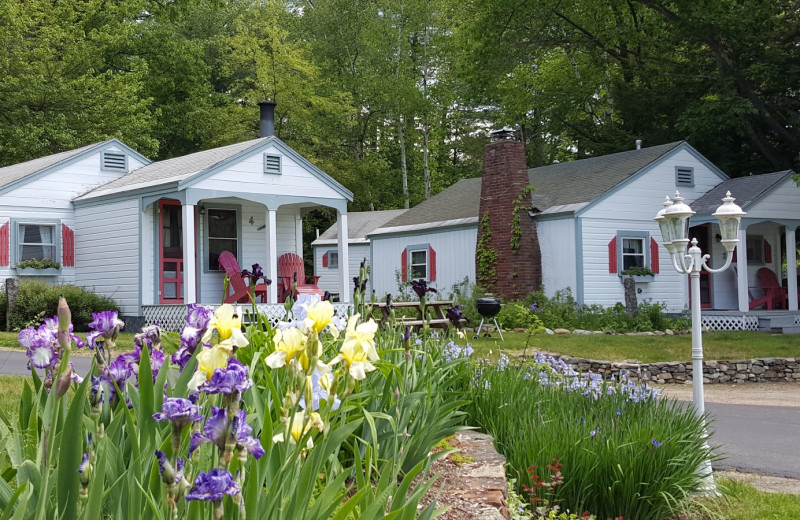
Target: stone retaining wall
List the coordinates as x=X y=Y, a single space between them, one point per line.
x=740 y=371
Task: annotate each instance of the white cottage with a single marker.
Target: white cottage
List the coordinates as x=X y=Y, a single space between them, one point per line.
x=326 y=247
x=129 y=226
x=593 y=219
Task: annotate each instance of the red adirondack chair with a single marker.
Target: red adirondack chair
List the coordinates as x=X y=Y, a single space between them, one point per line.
x=291 y=269
x=238 y=290
x=774 y=295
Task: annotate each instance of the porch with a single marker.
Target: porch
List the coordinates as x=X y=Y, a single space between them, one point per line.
x=787 y=321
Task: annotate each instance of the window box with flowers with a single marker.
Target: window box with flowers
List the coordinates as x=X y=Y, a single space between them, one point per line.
x=36 y=267
x=639 y=274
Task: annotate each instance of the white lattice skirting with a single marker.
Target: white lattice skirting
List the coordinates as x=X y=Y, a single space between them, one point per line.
x=722 y=322
x=173 y=317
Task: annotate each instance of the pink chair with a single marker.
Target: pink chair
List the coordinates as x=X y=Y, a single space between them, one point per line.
x=238 y=290
x=292 y=269
x=774 y=294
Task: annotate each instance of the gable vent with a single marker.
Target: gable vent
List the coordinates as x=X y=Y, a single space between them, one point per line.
x=115 y=161
x=684 y=176
x=272 y=164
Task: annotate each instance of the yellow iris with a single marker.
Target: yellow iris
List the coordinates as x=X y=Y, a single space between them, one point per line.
x=299 y=426
x=358 y=349
x=289 y=343
x=319 y=316
x=211 y=359
x=228 y=325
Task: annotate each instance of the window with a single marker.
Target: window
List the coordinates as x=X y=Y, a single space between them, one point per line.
x=36 y=241
x=272 y=164
x=630 y=249
x=333 y=259
x=633 y=253
x=684 y=176
x=223 y=234
x=755 y=249
x=114 y=161
x=418 y=266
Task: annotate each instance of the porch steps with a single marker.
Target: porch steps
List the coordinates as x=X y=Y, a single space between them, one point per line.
x=783 y=322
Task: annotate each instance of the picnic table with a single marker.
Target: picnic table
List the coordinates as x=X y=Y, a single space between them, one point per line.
x=439 y=320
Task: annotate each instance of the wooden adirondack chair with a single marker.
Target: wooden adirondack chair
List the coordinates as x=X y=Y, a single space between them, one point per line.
x=238 y=290
x=774 y=295
x=291 y=269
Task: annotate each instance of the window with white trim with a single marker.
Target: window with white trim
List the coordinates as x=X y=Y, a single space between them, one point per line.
x=222 y=234
x=755 y=249
x=333 y=259
x=633 y=253
x=37 y=241
x=418 y=263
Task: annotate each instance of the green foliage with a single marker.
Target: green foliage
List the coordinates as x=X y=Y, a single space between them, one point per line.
x=35 y=263
x=37 y=300
x=516 y=228
x=608 y=447
x=486 y=255
x=638 y=271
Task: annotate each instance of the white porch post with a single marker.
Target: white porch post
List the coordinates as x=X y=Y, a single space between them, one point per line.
x=189 y=254
x=791 y=270
x=272 y=255
x=298 y=234
x=344 y=258
x=741 y=270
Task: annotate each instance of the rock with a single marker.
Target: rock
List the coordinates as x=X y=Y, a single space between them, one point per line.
x=669 y=332
x=581 y=331
x=548 y=331
x=665 y=376
x=561 y=331
x=757 y=369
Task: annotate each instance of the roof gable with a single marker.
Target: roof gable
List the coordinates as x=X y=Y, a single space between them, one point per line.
x=746 y=190
x=190 y=169
x=16 y=175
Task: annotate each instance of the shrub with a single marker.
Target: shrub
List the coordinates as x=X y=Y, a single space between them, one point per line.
x=37 y=300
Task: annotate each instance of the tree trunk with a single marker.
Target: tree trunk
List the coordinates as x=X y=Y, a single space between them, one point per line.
x=403 y=165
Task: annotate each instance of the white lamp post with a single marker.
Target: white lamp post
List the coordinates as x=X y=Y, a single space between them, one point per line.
x=673 y=220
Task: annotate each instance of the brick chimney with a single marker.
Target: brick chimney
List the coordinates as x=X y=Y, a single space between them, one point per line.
x=505 y=177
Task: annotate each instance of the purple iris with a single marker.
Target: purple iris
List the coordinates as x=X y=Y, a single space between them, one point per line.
x=178 y=410
x=421 y=287
x=215 y=431
x=656 y=443
x=534 y=307
x=84 y=463
x=456 y=315
x=149 y=336
x=228 y=380
x=198 y=316
x=255 y=275
x=190 y=338
x=39 y=345
x=212 y=486
x=359 y=284
x=106 y=323
x=318 y=393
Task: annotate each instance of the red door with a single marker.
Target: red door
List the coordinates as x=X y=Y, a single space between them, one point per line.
x=170 y=252
x=701 y=233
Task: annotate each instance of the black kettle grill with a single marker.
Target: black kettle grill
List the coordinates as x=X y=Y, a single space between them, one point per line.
x=488 y=308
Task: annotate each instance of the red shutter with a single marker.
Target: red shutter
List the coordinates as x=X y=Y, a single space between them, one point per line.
x=734 y=255
x=68 y=249
x=612 y=255
x=5 y=247
x=404 y=265
x=432 y=262
x=767 y=253
x=325 y=260
x=653 y=255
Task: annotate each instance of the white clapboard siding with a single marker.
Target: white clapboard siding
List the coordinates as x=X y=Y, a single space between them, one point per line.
x=107 y=251
x=455 y=258
x=632 y=207
x=247 y=176
x=59 y=187
x=329 y=276
x=558 y=258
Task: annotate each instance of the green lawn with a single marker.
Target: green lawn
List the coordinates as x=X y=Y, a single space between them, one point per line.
x=124 y=342
x=741 y=501
x=727 y=345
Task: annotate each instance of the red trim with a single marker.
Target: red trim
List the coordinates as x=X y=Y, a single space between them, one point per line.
x=5 y=247
x=767 y=253
x=612 y=255
x=325 y=260
x=177 y=279
x=68 y=246
x=432 y=263
x=734 y=255
x=654 y=255
x=404 y=265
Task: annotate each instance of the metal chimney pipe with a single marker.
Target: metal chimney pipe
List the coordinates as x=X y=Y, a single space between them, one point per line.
x=267 y=118
x=638 y=144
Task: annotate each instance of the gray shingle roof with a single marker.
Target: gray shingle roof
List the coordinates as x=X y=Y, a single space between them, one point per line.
x=560 y=184
x=746 y=190
x=360 y=223
x=174 y=170
x=15 y=172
